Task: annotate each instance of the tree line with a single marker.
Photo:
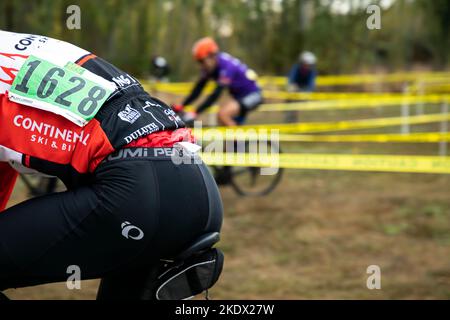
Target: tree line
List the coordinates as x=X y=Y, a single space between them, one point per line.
x=268 y=35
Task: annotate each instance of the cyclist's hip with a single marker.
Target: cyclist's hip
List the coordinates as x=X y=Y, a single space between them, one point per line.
x=133 y=212
x=155 y=184
x=248 y=103
x=251 y=99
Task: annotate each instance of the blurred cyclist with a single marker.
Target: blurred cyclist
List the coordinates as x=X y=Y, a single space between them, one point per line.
x=67 y=113
x=159 y=69
x=227 y=72
x=301 y=78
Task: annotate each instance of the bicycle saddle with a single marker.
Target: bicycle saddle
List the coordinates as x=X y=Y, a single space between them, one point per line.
x=205 y=241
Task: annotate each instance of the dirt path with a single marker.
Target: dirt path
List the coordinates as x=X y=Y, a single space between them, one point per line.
x=314 y=237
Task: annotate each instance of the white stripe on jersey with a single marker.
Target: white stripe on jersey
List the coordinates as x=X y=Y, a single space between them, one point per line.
x=16 y=47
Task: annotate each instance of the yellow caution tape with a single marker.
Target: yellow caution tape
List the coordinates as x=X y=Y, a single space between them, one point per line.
x=350 y=79
x=336 y=125
x=347 y=96
x=282 y=95
x=185 y=87
x=348 y=104
x=336 y=104
x=383 y=163
x=443 y=88
x=355 y=79
x=422 y=137
x=173 y=87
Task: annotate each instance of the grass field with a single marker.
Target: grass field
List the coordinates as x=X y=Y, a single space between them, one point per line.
x=316 y=234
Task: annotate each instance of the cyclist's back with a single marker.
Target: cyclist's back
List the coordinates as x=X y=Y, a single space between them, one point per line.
x=128 y=114
x=236 y=75
x=115 y=162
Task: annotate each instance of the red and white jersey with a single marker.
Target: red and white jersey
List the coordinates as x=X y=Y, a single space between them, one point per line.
x=15 y=48
x=50 y=143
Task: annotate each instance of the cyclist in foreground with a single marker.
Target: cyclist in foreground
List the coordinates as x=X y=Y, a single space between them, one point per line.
x=227 y=72
x=67 y=113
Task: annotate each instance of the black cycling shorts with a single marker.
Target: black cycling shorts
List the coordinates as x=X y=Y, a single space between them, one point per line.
x=135 y=211
x=249 y=102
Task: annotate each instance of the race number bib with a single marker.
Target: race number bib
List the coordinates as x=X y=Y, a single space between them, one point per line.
x=70 y=91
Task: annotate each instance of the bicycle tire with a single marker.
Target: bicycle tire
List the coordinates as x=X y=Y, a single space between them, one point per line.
x=240 y=190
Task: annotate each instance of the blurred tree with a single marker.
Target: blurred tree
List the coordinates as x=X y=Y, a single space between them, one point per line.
x=437 y=28
x=266 y=34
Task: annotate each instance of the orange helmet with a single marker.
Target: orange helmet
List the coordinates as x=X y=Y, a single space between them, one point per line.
x=204 y=47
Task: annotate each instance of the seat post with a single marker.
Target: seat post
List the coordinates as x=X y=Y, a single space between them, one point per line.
x=150 y=283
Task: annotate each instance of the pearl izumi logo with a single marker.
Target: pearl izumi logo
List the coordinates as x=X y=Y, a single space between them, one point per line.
x=131 y=232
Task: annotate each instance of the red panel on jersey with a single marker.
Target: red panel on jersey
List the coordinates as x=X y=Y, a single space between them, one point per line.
x=51 y=137
x=8 y=178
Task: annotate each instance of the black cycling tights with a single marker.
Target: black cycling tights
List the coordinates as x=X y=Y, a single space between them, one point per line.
x=134 y=212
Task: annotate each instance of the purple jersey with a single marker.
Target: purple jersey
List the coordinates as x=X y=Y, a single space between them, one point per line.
x=235 y=75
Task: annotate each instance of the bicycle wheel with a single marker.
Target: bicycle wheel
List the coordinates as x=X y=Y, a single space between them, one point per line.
x=254 y=181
